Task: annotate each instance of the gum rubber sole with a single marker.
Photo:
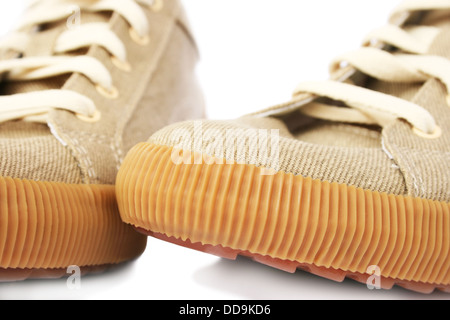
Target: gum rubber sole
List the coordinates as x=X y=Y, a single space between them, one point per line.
x=286 y=221
x=46 y=227
x=291 y=266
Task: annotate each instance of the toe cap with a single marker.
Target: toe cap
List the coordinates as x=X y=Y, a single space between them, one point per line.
x=367 y=168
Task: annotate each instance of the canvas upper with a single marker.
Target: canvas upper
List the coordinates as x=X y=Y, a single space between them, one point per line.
x=379 y=147
x=154 y=87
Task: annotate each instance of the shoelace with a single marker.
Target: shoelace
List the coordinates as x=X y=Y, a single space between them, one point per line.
x=34 y=106
x=410 y=64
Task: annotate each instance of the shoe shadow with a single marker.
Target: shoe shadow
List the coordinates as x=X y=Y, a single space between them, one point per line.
x=250 y=280
x=92 y=285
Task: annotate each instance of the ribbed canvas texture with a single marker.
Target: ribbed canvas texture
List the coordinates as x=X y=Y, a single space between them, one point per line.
x=425 y=163
x=160 y=89
x=101 y=147
x=173 y=93
x=368 y=168
x=28 y=151
x=393 y=160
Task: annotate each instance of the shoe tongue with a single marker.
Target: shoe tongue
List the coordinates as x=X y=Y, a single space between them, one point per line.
x=42 y=43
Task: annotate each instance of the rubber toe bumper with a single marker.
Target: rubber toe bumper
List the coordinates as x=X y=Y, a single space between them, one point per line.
x=287 y=221
x=47 y=227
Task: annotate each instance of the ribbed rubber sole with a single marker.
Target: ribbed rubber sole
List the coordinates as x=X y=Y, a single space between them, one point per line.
x=46 y=227
x=287 y=221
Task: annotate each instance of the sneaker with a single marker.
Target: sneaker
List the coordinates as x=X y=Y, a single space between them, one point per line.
x=83 y=81
x=351 y=178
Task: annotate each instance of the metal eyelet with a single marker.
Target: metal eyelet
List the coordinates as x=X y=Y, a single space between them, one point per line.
x=436 y=134
x=122 y=65
x=90 y=119
x=448 y=100
x=157 y=5
x=112 y=93
x=142 y=41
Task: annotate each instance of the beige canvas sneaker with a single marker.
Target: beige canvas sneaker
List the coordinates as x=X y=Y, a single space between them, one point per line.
x=82 y=82
x=351 y=178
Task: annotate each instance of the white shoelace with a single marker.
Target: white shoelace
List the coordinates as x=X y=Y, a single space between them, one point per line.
x=412 y=65
x=34 y=106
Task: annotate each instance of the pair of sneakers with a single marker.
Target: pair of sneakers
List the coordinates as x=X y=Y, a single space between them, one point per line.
x=350 y=177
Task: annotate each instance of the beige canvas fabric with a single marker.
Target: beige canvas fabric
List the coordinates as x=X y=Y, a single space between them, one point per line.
x=389 y=159
x=369 y=168
x=160 y=89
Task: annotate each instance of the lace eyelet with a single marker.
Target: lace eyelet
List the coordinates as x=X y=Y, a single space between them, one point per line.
x=122 y=65
x=157 y=5
x=436 y=134
x=112 y=93
x=142 y=41
x=92 y=119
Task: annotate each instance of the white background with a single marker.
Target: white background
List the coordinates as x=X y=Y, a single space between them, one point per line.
x=254 y=52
